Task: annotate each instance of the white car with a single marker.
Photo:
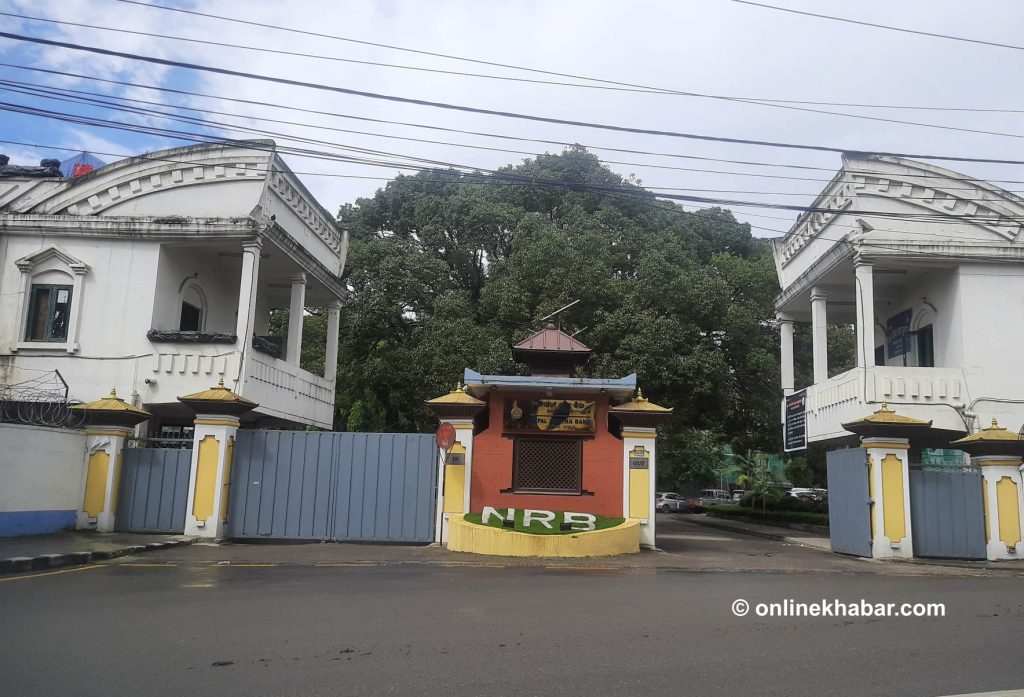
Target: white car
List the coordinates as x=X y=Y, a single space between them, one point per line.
x=669 y=502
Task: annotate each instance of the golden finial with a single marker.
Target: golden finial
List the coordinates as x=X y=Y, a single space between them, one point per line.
x=640 y=395
x=113 y=393
x=885 y=409
x=995 y=424
x=220 y=383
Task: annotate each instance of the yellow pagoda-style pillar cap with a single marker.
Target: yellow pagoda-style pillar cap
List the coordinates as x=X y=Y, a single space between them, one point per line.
x=218 y=400
x=640 y=412
x=994 y=440
x=111 y=411
x=885 y=422
x=458 y=403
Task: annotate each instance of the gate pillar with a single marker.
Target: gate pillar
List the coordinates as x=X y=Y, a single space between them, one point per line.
x=889 y=489
x=998 y=452
x=108 y=424
x=886 y=437
x=217 y=419
x=455 y=468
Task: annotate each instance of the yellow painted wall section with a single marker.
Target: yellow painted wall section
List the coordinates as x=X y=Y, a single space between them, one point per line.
x=96 y=483
x=206 y=478
x=1008 y=502
x=483 y=539
x=229 y=456
x=454 y=488
x=892 y=498
x=639 y=494
x=984 y=506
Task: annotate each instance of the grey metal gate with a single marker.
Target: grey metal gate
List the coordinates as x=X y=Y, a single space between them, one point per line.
x=947 y=515
x=377 y=487
x=154 y=490
x=849 y=508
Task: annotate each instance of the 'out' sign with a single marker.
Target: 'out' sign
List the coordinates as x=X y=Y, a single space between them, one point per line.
x=581 y=522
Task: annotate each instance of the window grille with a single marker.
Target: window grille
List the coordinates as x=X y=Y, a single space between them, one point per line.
x=549 y=465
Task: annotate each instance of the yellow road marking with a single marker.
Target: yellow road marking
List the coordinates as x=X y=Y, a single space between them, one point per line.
x=51 y=573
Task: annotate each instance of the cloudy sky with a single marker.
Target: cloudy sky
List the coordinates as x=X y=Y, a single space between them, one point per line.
x=716 y=47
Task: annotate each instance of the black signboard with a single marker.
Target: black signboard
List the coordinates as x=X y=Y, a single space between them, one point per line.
x=795 y=435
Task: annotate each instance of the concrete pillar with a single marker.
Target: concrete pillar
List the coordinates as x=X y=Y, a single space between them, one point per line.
x=786 y=355
x=864 y=273
x=639 y=477
x=454 y=475
x=104 y=455
x=209 y=477
x=109 y=423
x=889 y=488
x=1001 y=493
x=819 y=334
x=296 y=309
x=245 y=323
x=333 y=329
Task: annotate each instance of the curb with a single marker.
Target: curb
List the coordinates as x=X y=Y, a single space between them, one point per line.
x=781 y=536
x=44 y=562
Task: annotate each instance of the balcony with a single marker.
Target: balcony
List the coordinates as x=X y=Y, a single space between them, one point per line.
x=923 y=393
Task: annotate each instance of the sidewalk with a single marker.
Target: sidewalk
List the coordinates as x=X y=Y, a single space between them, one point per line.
x=797 y=537
x=41 y=552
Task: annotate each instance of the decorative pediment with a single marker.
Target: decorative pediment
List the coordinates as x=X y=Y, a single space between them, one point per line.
x=28 y=264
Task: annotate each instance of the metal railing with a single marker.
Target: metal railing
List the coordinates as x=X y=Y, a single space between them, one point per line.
x=167 y=443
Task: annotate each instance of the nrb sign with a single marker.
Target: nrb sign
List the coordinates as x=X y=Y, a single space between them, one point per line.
x=581 y=522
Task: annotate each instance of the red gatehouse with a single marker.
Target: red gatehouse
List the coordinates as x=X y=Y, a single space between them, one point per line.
x=548 y=441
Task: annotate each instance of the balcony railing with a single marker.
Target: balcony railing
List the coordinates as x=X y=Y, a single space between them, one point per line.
x=288 y=390
x=853 y=394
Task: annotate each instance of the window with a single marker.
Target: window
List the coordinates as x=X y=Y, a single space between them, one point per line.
x=925 y=347
x=880 y=355
x=191 y=317
x=49 y=313
x=548 y=465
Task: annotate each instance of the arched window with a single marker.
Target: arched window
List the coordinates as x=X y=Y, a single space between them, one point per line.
x=192 y=316
x=52 y=292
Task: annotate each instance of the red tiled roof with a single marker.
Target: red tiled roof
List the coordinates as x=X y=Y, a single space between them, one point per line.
x=550 y=338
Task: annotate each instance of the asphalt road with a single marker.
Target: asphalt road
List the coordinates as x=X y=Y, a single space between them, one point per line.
x=134 y=626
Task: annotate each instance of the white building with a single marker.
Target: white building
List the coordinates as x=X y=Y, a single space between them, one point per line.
x=929 y=266
x=155 y=273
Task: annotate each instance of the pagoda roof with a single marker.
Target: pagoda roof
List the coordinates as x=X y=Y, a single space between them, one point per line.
x=551 y=338
x=993 y=434
x=641 y=404
x=218 y=400
x=112 y=403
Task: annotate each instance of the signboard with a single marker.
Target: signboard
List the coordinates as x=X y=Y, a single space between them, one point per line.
x=582 y=522
x=550 y=415
x=445 y=436
x=897 y=334
x=795 y=434
x=937 y=457
x=639 y=458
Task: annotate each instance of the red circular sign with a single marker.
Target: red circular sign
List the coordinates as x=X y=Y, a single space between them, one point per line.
x=445 y=436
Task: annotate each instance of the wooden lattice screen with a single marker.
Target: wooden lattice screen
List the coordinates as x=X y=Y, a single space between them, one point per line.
x=543 y=464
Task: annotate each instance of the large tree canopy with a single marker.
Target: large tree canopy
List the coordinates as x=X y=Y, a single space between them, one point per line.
x=446 y=271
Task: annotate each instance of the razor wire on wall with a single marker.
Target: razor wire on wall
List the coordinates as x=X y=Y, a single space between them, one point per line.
x=39 y=401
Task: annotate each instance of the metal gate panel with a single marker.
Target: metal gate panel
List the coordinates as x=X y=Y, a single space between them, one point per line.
x=849 y=511
x=333 y=486
x=154 y=490
x=947 y=513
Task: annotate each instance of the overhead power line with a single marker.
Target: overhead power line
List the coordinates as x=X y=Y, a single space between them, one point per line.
x=875 y=25
x=99 y=99
x=645 y=90
x=464 y=59
x=482 y=111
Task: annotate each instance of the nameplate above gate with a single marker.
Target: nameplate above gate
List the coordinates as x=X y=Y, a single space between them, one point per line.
x=550 y=415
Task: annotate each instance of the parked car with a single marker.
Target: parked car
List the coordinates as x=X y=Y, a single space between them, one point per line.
x=737 y=496
x=669 y=502
x=713 y=497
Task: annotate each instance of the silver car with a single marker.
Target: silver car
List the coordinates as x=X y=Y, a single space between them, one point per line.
x=669 y=502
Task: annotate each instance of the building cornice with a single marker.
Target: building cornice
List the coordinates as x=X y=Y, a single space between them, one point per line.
x=135 y=227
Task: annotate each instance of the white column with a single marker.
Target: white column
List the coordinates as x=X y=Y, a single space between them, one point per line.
x=1004 y=506
x=454 y=479
x=104 y=453
x=333 y=328
x=245 y=322
x=786 y=355
x=295 y=311
x=213 y=448
x=819 y=334
x=864 y=273
x=638 y=482
x=889 y=486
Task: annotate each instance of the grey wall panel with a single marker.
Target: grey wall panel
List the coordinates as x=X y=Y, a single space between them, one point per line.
x=154 y=490
x=946 y=513
x=334 y=486
x=849 y=512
